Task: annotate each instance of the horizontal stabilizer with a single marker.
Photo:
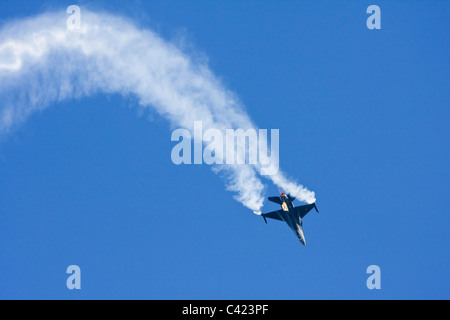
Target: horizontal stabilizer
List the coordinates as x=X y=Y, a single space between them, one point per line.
x=275 y=199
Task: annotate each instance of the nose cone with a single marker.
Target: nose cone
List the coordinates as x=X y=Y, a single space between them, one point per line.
x=301 y=236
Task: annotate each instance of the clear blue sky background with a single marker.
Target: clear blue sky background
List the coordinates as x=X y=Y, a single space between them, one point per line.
x=363 y=118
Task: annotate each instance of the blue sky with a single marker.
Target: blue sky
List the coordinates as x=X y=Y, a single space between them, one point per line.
x=363 y=118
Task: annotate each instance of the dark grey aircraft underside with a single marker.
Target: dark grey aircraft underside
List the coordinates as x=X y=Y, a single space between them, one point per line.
x=291 y=215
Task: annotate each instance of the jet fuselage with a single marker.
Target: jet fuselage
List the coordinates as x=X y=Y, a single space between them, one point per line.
x=293 y=220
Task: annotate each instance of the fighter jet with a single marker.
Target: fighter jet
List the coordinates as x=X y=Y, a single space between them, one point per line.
x=291 y=215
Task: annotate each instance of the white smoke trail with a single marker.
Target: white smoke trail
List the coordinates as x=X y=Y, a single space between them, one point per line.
x=42 y=62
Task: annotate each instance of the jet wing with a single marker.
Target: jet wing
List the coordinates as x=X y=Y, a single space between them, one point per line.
x=273 y=215
x=303 y=210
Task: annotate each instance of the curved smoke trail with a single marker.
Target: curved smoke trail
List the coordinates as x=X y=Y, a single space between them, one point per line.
x=42 y=62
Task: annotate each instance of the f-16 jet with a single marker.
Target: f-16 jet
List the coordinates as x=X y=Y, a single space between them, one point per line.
x=291 y=215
